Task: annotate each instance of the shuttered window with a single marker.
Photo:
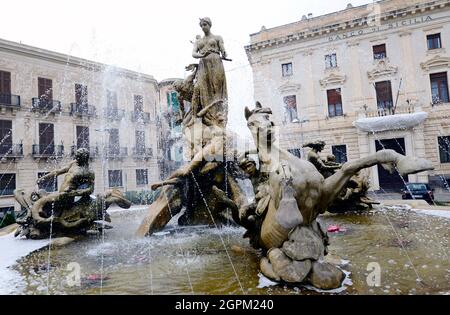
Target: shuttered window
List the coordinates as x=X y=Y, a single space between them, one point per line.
x=439 y=87
x=45 y=89
x=384 y=94
x=334 y=103
x=115 y=178
x=5 y=82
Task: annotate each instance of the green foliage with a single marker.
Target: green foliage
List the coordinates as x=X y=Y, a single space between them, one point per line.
x=143 y=197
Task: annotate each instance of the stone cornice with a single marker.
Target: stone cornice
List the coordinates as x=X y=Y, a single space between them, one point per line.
x=436 y=62
x=67 y=60
x=333 y=79
x=382 y=68
x=346 y=25
x=289 y=87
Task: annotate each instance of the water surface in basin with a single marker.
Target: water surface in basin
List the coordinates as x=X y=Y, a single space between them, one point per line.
x=411 y=249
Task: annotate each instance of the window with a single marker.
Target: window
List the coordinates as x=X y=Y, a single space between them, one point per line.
x=340 y=153
x=6 y=136
x=115 y=178
x=7 y=216
x=111 y=99
x=172 y=102
x=138 y=103
x=46 y=139
x=7 y=184
x=81 y=95
x=141 y=177
x=290 y=109
x=439 y=88
x=383 y=90
x=434 y=41
x=82 y=137
x=140 y=141
x=297 y=152
x=330 y=61
x=114 y=144
x=5 y=83
x=379 y=52
x=334 y=103
x=45 y=89
x=286 y=69
x=50 y=184
x=444 y=149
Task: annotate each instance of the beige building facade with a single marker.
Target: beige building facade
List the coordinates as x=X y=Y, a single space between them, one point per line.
x=51 y=104
x=362 y=79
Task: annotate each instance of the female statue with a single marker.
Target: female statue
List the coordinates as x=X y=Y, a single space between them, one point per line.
x=210 y=89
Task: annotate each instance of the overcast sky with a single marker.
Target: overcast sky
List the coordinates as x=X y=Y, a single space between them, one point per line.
x=154 y=36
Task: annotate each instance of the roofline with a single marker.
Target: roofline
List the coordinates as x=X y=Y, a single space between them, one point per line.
x=168 y=81
x=327 y=28
x=317 y=17
x=65 y=59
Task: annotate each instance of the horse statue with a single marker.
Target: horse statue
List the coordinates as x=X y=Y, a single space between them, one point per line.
x=283 y=223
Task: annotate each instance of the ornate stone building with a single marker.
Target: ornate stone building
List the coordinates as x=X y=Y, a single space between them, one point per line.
x=362 y=79
x=51 y=104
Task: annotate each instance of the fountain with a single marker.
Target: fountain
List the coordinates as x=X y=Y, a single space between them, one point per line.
x=284 y=223
x=290 y=193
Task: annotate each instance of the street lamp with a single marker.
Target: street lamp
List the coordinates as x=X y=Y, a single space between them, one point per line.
x=301 y=122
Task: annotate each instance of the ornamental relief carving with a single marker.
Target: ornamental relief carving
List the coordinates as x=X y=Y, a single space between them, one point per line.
x=333 y=78
x=289 y=87
x=436 y=62
x=382 y=68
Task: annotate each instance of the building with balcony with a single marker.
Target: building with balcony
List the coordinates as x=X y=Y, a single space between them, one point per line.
x=171 y=144
x=362 y=79
x=52 y=104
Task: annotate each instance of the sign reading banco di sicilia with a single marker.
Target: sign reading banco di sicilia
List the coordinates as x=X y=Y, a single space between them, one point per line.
x=380 y=28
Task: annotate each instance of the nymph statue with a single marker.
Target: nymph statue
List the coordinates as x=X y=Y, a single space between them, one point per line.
x=210 y=90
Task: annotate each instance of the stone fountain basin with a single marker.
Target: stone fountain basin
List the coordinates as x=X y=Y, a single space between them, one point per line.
x=194 y=259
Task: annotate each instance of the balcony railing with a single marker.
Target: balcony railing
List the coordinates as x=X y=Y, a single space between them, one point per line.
x=114 y=114
x=11 y=150
x=41 y=150
x=140 y=116
x=45 y=105
x=142 y=153
x=116 y=152
x=387 y=109
x=93 y=151
x=82 y=110
x=10 y=100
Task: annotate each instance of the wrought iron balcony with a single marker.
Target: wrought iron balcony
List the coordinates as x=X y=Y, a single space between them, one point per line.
x=41 y=150
x=82 y=110
x=140 y=116
x=114 y=114
x=114 y=152
x=142 y=153
x=45 y=105
x=93 y=151
x=11 y=151
x=10 y=100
